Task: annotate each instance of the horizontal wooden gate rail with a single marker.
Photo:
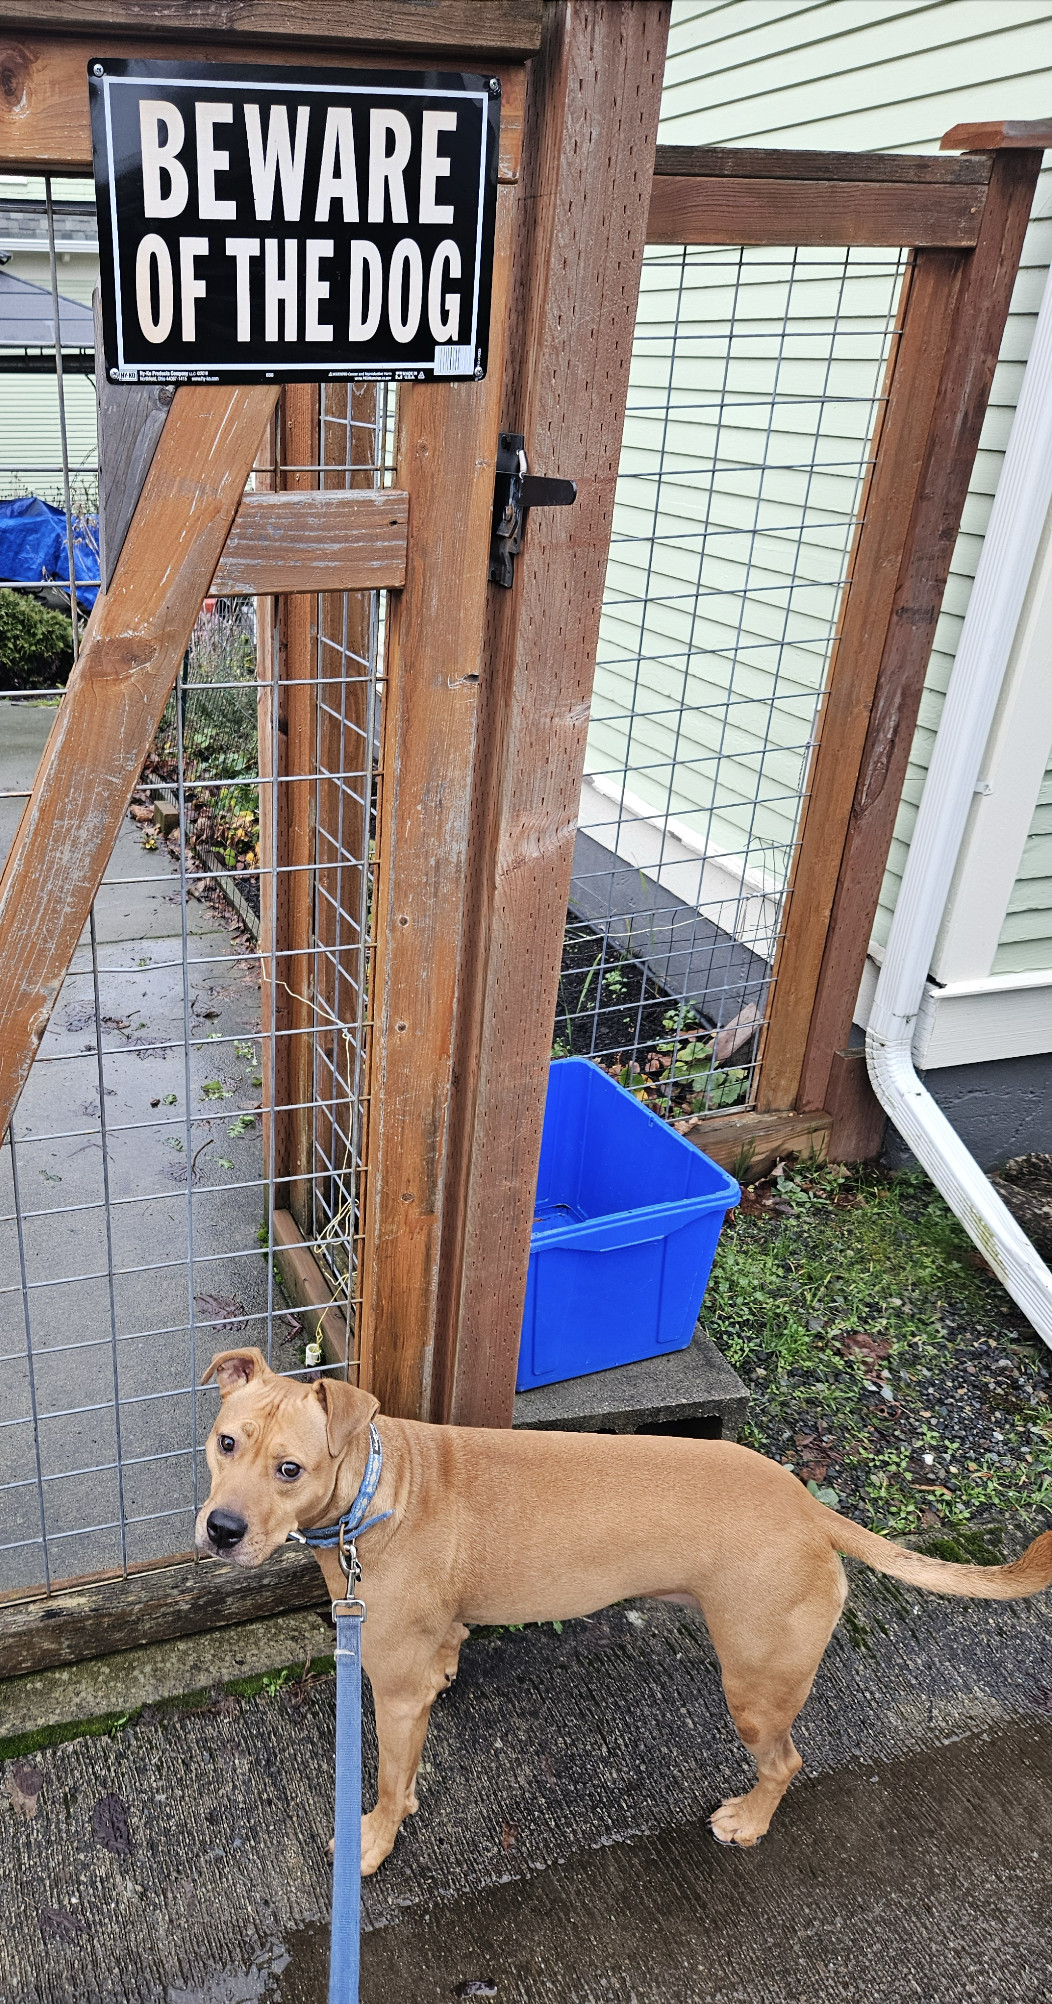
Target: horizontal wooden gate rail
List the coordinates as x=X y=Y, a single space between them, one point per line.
x=963 y=219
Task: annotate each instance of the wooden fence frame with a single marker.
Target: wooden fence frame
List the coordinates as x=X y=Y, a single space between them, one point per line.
x=963 y=219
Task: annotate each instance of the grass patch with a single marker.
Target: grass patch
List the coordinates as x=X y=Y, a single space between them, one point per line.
x=886 y=1363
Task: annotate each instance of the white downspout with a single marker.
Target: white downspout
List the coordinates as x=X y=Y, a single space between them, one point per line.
x=1017 y=518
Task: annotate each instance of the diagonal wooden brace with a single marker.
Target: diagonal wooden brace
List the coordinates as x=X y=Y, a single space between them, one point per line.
x=133 y=645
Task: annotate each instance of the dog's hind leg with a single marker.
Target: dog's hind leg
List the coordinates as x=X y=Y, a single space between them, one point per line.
x=768 y=1657
x=406 y=1681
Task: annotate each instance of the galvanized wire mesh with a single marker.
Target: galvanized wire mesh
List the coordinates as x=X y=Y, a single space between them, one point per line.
x=149 y=1162
x=757 y=379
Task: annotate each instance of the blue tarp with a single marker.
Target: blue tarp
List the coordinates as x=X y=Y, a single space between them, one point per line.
x=34 y=548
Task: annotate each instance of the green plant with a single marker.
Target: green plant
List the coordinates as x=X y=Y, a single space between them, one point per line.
x=36 y=644
x=213 y=1089
x=245 y=1123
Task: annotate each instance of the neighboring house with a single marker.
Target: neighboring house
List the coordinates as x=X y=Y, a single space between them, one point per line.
x=30 y=439
x=705 y=698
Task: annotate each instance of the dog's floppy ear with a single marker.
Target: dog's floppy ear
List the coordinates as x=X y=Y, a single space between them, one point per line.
x=233 y=1368
x=347 y=1411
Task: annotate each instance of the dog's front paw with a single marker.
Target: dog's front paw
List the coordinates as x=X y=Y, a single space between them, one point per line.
x=739 y=1820
x=377 y=1842
x=378 y=1838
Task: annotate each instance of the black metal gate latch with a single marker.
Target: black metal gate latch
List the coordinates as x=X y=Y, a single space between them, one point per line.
x=515 y=491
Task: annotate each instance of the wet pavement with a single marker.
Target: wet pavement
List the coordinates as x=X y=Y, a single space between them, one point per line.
x=561 y=1850
x=925 y=1879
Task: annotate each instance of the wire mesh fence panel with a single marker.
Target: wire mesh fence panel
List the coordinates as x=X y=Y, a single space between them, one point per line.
x=757 y=379
x=142 y=1184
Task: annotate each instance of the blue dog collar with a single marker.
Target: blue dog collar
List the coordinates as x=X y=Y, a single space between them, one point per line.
x=354 y=1521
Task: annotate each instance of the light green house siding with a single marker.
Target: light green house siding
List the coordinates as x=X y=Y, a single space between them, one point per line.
x=1024 y=945
x=882 y=75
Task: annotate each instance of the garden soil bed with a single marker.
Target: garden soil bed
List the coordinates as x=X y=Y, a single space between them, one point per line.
x=611 y=1009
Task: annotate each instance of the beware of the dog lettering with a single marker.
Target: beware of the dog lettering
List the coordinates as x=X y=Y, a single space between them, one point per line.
x=271 y=224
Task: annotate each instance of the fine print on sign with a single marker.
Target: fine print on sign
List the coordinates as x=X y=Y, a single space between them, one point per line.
x=271 y=224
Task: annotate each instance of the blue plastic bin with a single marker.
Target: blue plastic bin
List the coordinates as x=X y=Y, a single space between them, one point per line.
x=625 y=1229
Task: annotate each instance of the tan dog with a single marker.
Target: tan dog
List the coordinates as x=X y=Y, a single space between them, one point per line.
x=492 y=1526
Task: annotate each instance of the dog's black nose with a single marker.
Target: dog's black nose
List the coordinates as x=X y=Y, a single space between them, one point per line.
x=225 y=1529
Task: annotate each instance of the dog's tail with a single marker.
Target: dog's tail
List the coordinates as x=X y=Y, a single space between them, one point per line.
x=1027 y=1574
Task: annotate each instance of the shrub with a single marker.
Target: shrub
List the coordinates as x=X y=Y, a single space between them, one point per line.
x=36 y=644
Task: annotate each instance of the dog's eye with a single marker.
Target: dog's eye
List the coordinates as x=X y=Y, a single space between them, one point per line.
x=289 y=1470
x=226 y=1443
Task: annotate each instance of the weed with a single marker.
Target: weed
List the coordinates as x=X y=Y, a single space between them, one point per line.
x=857 y=1630
x=244 y=1124
x=213 y=1089
x=970 y=1545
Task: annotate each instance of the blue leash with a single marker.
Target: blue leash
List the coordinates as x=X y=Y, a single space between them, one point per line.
x=348 y=1614
x=347 y=1863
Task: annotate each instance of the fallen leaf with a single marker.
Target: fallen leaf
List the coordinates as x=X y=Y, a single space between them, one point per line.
x=109 y=1825
x=57 y=1920
x=23 y=1782
x=813 y=1471
x=858 y=1344
x=222 y=1704
x=509 y=1836
x=224 y=1308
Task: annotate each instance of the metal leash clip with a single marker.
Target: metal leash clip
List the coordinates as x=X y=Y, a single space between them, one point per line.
x=347 y=1553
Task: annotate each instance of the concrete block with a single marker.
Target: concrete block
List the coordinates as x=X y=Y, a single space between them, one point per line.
x=693 y=1392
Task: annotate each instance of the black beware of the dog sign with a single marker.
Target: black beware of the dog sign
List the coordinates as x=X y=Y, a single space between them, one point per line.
x=270 y=224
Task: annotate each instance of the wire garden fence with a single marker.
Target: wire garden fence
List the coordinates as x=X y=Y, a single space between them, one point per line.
x=196 y=1077
x=757 y=382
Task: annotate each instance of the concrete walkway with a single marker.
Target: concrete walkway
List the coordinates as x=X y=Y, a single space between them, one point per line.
x=561 y=1850
x=164 y=1109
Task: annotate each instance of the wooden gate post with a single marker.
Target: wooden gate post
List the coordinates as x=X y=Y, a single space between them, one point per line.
x=445 y=462
x=591 y=125
x=951 y=443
